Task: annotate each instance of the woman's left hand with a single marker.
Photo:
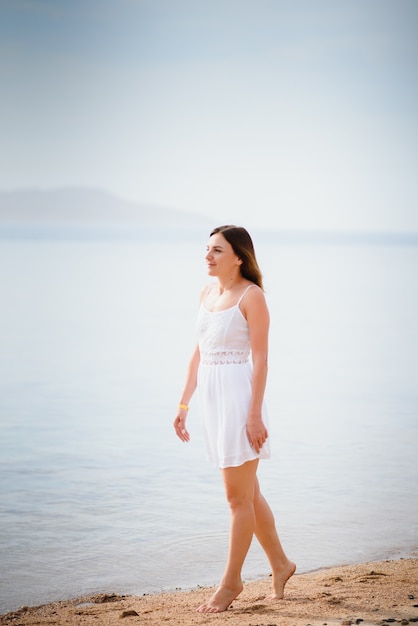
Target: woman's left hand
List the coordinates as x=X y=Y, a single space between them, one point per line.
x=256 y=433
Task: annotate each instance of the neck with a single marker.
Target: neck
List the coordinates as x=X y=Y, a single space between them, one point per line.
x=227 y=283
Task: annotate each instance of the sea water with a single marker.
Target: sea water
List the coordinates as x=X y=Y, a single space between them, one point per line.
x=96 y=492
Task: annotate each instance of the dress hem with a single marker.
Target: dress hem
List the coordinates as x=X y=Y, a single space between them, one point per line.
x=237 y=463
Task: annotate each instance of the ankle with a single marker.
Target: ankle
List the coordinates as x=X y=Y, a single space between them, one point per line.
x=231 y=583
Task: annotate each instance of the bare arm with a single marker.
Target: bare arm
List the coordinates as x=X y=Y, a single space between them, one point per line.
x=258 y=320
x=189 y=388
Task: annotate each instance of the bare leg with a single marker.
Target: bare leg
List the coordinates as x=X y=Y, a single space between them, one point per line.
x=239 y=487
x=265 y=530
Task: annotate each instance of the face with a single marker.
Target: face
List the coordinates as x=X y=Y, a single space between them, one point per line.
x=220 y=256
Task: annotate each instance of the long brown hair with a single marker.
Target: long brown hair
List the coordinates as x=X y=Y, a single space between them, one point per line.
x=243 y=246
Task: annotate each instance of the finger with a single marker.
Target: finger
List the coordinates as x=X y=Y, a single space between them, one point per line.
x=183 y=434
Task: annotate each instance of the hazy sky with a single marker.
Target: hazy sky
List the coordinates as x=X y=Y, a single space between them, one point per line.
x=279 y=113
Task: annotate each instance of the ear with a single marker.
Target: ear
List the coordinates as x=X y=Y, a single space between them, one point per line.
x=239 y=261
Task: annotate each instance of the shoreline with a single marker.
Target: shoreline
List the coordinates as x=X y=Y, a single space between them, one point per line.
x=374 y=592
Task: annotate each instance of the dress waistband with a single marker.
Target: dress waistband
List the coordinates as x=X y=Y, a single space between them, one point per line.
x=225 y=357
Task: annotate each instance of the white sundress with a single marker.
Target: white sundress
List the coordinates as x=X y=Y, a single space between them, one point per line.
x=224 y=386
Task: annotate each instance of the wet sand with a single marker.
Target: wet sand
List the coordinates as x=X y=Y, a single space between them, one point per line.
x=383 y=593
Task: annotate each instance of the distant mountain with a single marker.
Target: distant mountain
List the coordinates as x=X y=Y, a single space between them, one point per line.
x=93 y=213
x=85 y=206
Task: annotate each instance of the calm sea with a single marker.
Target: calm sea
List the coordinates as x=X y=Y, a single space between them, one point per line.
x=97 y=494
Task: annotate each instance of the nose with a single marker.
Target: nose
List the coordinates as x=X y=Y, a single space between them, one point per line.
x=208 y=255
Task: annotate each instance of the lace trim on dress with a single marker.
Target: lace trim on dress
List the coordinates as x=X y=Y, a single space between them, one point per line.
x=225 y=357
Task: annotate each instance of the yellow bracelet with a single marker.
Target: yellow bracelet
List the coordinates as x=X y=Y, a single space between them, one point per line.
x=183 y=406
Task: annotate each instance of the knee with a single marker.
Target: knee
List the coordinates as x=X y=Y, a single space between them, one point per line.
x=239 y=500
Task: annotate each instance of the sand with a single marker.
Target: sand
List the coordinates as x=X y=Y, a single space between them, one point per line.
x=381 y=593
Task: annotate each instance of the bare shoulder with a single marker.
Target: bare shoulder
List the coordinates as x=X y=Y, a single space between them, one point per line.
x=254 y=300
x=254 y=293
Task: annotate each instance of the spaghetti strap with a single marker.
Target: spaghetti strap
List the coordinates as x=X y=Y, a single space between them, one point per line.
x=244 y=292
x=209 y=288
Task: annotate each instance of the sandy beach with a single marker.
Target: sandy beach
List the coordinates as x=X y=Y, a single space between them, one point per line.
x=381 y=593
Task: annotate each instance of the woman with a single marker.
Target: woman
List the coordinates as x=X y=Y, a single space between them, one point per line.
x=233 y=322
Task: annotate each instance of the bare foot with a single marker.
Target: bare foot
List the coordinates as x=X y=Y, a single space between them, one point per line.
x=280 y=578
x=221 y=600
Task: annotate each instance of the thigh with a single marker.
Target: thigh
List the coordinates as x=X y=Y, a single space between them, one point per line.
x=240 y=482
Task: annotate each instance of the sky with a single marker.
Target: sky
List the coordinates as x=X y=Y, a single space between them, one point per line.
x=281 y=114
